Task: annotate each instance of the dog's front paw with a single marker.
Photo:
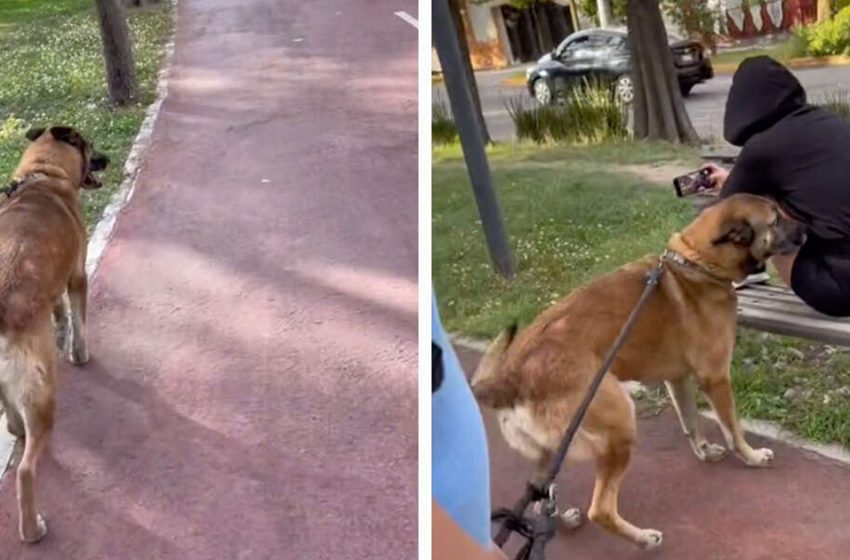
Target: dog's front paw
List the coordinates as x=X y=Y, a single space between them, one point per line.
x=35 y=533
x=649 y=538
x=760 y=458
x=711 y=452
x=572 y=519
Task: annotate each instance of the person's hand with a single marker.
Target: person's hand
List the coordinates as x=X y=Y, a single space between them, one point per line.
x=716 y=175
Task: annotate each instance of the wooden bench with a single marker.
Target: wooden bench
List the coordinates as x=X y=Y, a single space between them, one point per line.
x=776 y=309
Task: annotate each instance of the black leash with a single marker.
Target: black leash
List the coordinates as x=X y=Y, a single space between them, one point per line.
x=539 y=529
x=13 y=185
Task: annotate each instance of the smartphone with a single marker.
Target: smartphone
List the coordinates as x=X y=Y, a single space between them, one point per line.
x=692 y=183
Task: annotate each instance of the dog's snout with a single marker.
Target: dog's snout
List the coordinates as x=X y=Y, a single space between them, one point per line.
x=795 y=232
x=799 y=235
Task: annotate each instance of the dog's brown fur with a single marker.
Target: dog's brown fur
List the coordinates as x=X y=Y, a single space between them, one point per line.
x=42 y=273
x=684 y=336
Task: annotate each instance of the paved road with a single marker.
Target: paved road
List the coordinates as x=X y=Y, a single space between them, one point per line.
x=705 y=105
x=253 y=324
x=796 y=510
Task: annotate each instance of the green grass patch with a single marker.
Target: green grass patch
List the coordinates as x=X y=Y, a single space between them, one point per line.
x=793 y=47
x=569 y=219
x=590 y=114
x=443 y=128
x=53 y=73
x=572 y=214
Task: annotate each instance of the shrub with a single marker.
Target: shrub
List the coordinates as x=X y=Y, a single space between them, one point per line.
x=830 y=37
x=443 y=128
x=590 y=115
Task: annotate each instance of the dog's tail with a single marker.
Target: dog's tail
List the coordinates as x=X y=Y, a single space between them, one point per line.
x=490 y=385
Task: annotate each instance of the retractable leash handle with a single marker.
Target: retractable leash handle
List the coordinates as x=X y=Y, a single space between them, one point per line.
x=545 y=489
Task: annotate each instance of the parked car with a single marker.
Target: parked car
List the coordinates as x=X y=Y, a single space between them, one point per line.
x=603 y=54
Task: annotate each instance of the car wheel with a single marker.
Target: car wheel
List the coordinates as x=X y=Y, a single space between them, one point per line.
x=624 y=89
x=686 y=89
x=542 y=91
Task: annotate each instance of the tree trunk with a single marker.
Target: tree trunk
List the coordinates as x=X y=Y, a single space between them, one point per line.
x=574 y=16
x=539 y=47
x=544 y=28
x=659 y=111
x=824 y=10
x=455 y=7
x=603 y=7
x=120 y=70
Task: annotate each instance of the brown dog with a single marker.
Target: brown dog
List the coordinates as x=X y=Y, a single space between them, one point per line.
x=685 y=334
x=42 y=273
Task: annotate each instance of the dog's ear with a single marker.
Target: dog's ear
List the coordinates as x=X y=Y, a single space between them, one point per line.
x=740 y=233
x=34 y=133
x=68 y=135
x=98 y=161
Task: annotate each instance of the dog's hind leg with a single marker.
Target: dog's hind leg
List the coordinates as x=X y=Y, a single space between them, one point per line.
x=61 y=321
x=37 y=409
x=612 y=418
x=683 y=396
x=77 y=295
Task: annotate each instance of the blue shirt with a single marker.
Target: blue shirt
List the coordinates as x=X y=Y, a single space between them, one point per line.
x=460 y=469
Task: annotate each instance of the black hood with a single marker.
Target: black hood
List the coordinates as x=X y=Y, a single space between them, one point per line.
x=763 y=92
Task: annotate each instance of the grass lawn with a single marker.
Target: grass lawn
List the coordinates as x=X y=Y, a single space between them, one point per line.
x=574 y=213
x=53 y=73
x=783 y=51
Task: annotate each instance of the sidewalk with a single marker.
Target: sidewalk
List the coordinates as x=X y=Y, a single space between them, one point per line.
x=253 y=322
x=724 y=511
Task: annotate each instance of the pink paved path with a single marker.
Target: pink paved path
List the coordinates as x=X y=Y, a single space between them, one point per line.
x=797 y=510
x=252 y=390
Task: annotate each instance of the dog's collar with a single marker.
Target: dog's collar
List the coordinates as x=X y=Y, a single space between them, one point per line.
x=678 y=258
x=10 y=188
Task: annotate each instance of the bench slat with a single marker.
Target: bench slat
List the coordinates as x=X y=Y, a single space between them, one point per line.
x=777 y=310
x=773 y=298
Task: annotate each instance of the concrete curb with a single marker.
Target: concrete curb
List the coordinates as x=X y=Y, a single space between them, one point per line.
x=794 y=63
x=106 y=225
x=759 y=428
x=729 y=68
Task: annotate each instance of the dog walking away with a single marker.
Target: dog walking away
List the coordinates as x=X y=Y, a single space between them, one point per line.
x=684 y=337
x=42 y=276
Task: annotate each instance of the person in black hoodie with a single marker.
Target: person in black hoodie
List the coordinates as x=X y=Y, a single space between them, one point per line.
x=798 y=155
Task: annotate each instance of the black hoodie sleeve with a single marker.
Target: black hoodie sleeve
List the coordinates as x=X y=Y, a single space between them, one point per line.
x=750 y=174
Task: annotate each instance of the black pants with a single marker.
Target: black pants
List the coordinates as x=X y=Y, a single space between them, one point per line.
x=821 y=276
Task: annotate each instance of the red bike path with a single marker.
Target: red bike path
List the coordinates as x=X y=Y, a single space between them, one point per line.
x=253 y=322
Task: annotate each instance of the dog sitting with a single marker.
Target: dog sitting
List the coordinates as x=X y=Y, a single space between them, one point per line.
x=684 y=336
x=42 y=276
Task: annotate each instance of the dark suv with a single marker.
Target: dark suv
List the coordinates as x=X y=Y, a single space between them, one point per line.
x=603 y=54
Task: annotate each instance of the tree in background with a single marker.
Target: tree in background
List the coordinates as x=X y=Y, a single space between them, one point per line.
x=659 y=111
x=117 y=52
x=455 y=6
x=590 y=8
x=824 y=10
x=603 y=8
x=696 y=18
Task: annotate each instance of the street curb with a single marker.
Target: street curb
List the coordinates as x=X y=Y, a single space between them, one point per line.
x=731 y=67
x=760 y=428
x=106 y=225
x=794 y=63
